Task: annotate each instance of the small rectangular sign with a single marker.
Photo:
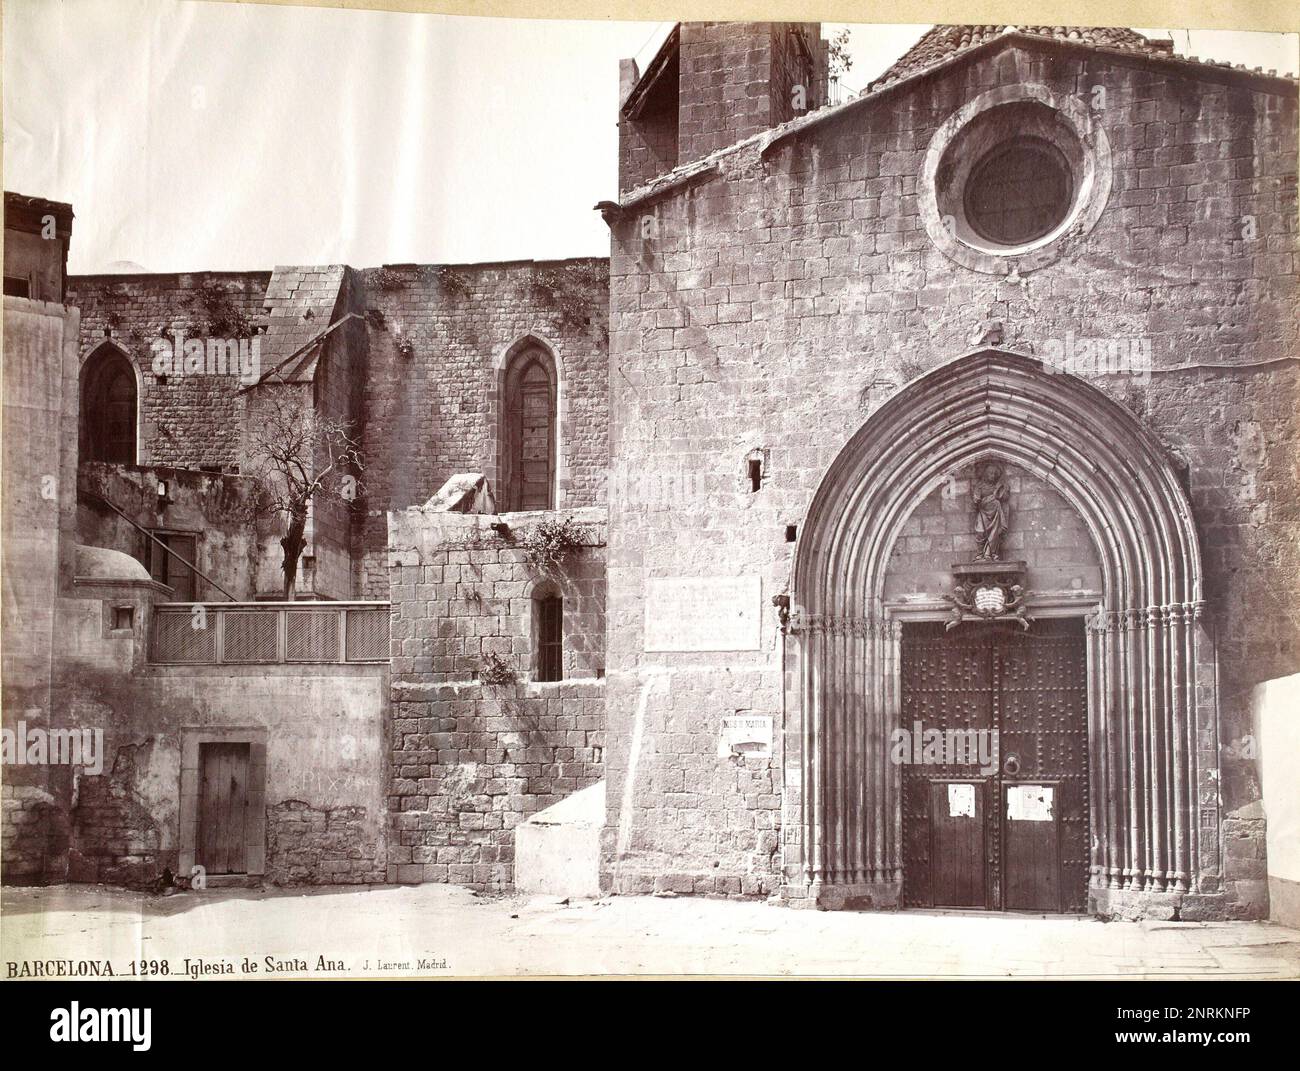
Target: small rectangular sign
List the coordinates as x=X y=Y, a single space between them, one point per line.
x=745 y=735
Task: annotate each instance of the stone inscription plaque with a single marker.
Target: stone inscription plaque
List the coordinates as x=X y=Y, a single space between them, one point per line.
x=699 y=613
x=745 y=735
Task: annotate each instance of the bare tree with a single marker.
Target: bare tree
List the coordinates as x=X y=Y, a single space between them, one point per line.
x=298 y=455
x=841 y=60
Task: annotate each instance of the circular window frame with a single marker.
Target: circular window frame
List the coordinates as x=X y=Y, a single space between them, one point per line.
x=1078 y=136
x=1034 y=145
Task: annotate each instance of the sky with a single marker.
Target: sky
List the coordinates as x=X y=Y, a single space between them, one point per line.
x=191 y=136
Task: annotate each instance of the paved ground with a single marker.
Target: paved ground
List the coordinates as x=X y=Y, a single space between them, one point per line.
x=389 y=930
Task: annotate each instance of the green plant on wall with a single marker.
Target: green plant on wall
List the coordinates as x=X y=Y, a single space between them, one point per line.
x=454 y=283
x=548 y=543
x=218 y=314
x=387 y=279
x=573 y=290
x=495 y=670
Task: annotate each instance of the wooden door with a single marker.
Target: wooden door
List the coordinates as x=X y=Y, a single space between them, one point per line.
x=169 y=569
x=957 y=844
x=947 y=686
x=1002 y=822
x=222 y=841
x=1043 y=775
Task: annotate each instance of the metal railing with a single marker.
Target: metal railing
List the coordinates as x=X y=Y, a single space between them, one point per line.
x=262 y=633
x=837 y=92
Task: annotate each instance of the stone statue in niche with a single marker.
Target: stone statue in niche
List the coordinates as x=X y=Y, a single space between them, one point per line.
x=991 y=504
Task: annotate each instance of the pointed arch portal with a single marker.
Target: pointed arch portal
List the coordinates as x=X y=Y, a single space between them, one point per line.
x=1152 y=744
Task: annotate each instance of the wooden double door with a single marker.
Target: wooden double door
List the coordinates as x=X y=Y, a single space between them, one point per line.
x=995 y=767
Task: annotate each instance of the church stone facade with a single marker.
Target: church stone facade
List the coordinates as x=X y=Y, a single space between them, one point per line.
x=964 y=408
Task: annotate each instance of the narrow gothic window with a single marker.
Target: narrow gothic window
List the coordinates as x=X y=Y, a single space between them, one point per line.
x=548 y=623
x=529 y=469
x=108 y=407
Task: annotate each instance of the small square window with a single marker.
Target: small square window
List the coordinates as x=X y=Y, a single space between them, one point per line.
x=123 y=617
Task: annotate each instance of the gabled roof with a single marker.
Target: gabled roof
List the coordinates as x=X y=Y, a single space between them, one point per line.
x=940 y=43
x=1192 y=66
x=935 y=58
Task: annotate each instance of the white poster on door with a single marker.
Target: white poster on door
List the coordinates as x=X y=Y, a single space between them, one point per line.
x=961 y=801
x=1030 y=803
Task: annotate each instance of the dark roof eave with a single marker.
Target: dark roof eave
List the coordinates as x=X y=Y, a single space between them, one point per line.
x=646 y=83
x=43 y=204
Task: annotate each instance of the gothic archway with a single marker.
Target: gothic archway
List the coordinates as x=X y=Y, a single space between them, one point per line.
x=109 y=409
x=526 y=455
x=1152 y=776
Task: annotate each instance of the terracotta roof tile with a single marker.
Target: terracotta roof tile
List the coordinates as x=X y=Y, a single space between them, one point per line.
x=942 y=42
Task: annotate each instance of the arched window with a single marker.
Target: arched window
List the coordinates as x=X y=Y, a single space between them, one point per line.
x=528 y=461
x=108 y=408
x=548 y=637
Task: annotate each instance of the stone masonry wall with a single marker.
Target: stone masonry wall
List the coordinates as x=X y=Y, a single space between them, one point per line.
x=320 y=846
x=188 y=420
x=115 y=837
x=727 y=82
x=33 y=835
x=431 y=411
x=776 y=305
x=725 y=86
x=470 y=759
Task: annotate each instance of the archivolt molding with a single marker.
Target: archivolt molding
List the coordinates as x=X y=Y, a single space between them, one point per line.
x=1143 y=653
